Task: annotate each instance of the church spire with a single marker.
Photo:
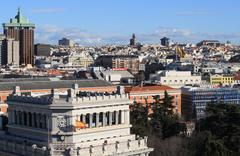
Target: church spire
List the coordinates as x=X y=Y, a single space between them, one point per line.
x=19 y=10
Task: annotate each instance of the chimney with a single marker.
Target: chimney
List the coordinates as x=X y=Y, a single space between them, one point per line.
x=71 y=93
x=17 y=91
x=75 y=86
x=54 y=94
x=120 y=90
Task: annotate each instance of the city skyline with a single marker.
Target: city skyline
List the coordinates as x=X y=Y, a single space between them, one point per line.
x=111 y=22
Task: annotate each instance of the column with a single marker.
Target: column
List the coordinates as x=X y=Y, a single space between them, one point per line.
x=22 y=117
x=90 y=120
x=14 y=117
x=97 y=119
x=104 y=119
x=110 y=118
x=33 y=118
x=53 y=125
x=122 y=117
x=116 y=118
x=10 y=116
x=47 y=122
x=84 y=119
x=28 y=119
x=37 y=121
x=44 y=122
x=126 y=120
x=18 y=117
x=40 y=118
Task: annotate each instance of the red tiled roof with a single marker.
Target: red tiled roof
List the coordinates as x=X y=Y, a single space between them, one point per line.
x=147 y=88
x=237 y=77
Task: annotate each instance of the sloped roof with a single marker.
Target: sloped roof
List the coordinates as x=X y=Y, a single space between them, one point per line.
x=148 y=88
x=34 y=85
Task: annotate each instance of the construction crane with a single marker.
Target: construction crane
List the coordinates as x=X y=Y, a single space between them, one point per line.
x=180 y=52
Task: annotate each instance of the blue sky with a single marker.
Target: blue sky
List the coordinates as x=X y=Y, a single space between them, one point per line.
x=113 y=22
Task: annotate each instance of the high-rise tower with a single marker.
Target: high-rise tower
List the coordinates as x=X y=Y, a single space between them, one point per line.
x=20 y=29
x=133 y=40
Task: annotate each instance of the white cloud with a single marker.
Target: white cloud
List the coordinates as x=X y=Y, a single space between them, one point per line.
x=51 y=34
x=173 y=32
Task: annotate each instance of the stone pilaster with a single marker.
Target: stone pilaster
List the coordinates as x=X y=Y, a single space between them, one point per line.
x=116 y=117
x=126 y=117
x=122 y=116
x=97 y=119
x=90 y=120
x=110 y=118
x=104 y=119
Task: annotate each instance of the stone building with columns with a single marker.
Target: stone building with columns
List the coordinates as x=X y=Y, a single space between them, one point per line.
x=48 y=125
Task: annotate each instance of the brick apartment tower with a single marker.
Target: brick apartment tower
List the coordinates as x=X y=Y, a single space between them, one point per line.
x=20 y=29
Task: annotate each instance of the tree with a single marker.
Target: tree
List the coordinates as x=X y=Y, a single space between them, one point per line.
x=156 y=117
x=213 y=146
x=163 y=120
x=139 y=119
x=167 y=104
x=223 y=129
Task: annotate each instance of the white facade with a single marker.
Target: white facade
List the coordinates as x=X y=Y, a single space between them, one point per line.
x=48 y=125
x=81 y=60
x=117 y=77
x=175 y=78
x=12 y=52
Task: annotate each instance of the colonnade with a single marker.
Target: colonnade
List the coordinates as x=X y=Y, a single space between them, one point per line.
x=101 y=119
x=29 y=119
